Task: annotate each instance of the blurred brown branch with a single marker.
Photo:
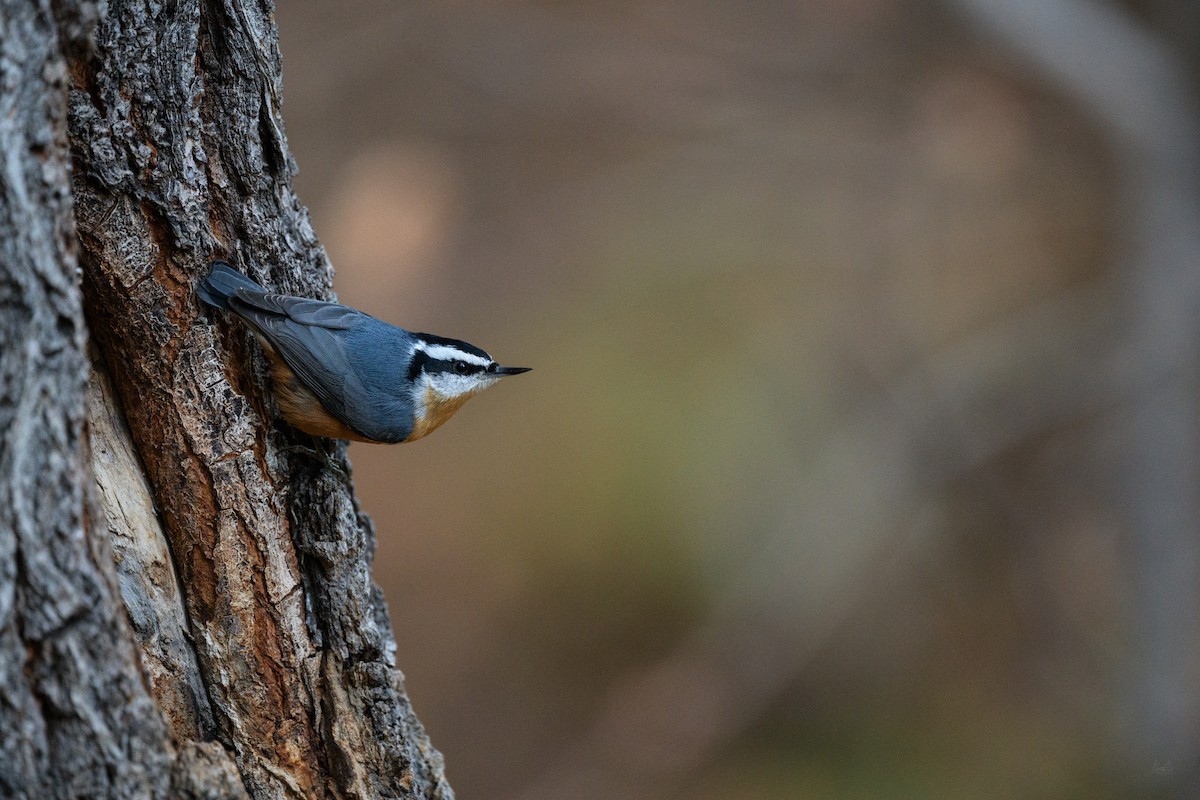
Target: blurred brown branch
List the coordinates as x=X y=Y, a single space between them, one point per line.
x=1132 y=79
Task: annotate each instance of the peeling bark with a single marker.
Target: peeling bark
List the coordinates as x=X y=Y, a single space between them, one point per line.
x=255 y=657
x=145 y=571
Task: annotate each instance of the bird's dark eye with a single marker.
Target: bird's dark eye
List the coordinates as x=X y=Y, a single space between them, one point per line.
x=462 y=367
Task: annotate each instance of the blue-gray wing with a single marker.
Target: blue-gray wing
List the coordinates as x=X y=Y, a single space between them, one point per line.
x=310 y=337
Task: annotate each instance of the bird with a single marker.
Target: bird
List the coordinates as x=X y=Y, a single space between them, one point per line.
x=340 y=373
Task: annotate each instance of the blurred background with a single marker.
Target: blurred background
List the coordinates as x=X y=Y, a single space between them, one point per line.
x=860 y=458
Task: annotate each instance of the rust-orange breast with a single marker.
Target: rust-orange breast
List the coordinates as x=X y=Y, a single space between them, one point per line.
x=301 y=408
x=438 y=409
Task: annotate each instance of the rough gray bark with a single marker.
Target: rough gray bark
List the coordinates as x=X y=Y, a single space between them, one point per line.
x=244 y=567
x=75 y=717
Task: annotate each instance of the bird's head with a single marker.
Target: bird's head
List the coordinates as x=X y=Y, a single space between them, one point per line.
x=444 y=374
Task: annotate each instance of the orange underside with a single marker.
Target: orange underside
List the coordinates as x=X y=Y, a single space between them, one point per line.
x=437 y=410
x=303 y=410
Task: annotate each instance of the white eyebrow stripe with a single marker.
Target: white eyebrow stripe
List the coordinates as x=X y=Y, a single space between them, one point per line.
x=444 y=352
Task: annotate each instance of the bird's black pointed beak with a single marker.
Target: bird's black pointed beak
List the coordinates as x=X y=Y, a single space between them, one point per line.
x=509 y=370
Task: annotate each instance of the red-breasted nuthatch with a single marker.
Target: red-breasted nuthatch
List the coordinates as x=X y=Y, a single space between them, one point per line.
x=344 y=374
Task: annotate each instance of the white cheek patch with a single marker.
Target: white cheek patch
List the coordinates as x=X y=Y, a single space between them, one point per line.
x=447 y=384
x=443 y=352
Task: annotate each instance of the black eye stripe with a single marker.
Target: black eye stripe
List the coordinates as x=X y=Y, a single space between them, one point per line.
x=423 y=362
x=420 y=363
x=431 y=366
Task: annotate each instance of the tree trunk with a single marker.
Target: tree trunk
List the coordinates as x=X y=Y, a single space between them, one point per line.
x=255 y=656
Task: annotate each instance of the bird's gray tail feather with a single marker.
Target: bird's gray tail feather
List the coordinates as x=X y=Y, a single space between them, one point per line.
x=222 y=283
